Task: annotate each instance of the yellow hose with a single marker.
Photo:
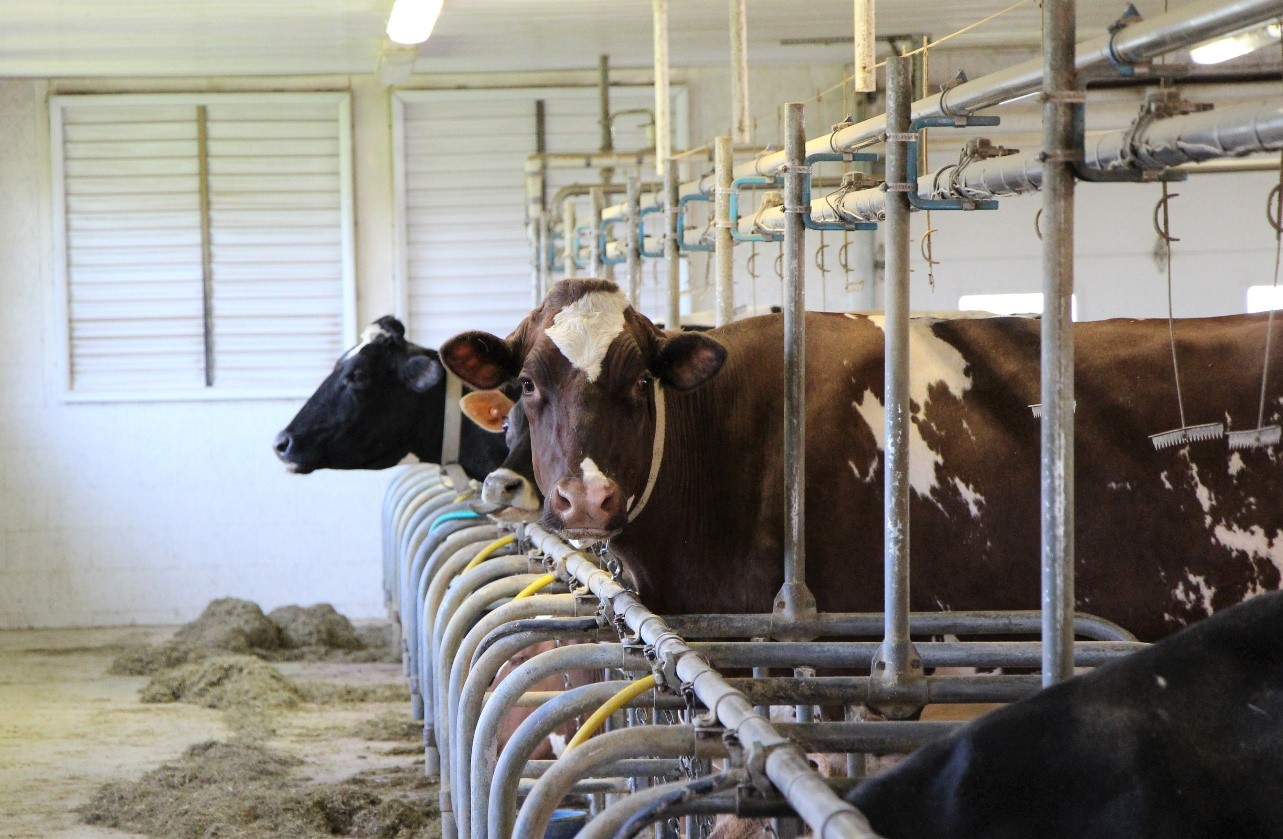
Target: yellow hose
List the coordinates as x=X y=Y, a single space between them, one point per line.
x=488 y=551
x=464 y=497
x=619 y=700
x=535 y=586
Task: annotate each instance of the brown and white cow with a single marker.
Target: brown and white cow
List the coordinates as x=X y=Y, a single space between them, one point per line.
x=696 y=513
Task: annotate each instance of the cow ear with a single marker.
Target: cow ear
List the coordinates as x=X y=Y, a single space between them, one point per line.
x=421 y=373
x=487 y=408
x=482 y=360
x=688 y=360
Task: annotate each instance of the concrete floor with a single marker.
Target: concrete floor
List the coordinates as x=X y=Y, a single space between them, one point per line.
x=66 y=726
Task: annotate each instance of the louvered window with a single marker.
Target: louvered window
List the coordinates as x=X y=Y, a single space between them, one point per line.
x=464 y=257
x=204 y=243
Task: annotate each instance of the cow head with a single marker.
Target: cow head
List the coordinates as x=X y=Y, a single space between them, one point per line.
x=589 y=368
x=508 y=493
x=383 y=399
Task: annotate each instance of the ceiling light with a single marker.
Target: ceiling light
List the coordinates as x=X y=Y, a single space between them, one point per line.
x=1240 y=43
x=411 y=21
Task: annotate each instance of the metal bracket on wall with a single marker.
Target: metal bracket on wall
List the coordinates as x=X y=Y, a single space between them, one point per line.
x=734 y=197
x=682 y=244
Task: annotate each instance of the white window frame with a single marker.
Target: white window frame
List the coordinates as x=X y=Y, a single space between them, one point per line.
x=402 y=98
x=62 y=310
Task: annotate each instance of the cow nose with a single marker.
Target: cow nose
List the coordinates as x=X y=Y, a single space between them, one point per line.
x=501 y=486
x=586 y=505
x=282 y=443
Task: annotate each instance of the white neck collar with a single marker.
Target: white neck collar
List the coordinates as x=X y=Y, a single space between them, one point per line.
x=656 y=452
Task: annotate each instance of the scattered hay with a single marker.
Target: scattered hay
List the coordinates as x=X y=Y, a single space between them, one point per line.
x=290 y=633
x=225 y=790
x=390 y=727
x=315 y=626
x=224 y=682
x=328 y=693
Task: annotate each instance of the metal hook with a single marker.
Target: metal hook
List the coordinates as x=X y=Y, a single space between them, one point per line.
x=924 y=246
x=1037 y=228
x=842 y=252
x=820 y=262
x=779 y=265
x=1163 y=228
x=751 y=265
x=1274 y=208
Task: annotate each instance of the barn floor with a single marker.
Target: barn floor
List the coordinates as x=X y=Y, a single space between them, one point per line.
x=67 y=726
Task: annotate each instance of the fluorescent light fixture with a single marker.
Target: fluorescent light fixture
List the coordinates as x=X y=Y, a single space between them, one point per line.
x=1022 y=303
x=411 y=21
x=1262 y=298
x=1239 y=43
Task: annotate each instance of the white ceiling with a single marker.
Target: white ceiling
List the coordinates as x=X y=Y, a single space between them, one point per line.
x=58 y=38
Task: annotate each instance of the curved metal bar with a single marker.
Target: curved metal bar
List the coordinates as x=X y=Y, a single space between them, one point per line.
x=564 y=625
x=502 y=810
x=409 y=482
x=457 y=646
x=504 y=566
x=473 y=767
x=650 y=740
x=626 y=818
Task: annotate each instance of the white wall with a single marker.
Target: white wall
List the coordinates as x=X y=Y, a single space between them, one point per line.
x=121 y=513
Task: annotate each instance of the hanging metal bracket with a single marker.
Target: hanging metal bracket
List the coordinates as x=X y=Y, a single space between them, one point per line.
x=641 y=232
x=682 y=244
x=823 y=157
x=912 y=140
x=736 y=185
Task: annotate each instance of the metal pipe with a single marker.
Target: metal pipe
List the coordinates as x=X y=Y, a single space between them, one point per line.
x=855 y=690
x=897 y=662
x=568 y=243
x=603 y=110
x=794 y=600
x=477 y=762
x=455 y=652
x=865 y=70
x=626 y=818
x=633 y=241
x=743 y=130
x=663 y=133
x=1188 y=25
x=650 y=740
x=869 y=624
x=723 y=243
x=844 y=654
x=628 y=768
x=672 y=255
x=787 y=768
x=539 y=278
x=1253 y=127
x=598 y=200
x=534 y=729
x=1062 y=149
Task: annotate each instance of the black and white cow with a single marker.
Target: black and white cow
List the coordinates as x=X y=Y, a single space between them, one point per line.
x=384 y=401
x=1183 y=740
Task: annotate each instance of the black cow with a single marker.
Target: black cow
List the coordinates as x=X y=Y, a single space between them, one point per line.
x=384 y=401
x=1183 y=740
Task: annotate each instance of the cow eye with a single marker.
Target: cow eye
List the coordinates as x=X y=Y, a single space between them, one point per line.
x=505 y=425
x=527 y=386
x=643 y=386
x=358 y=378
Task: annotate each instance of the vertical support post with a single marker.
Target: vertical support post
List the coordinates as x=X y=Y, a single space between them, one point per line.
x=743 y=131
x=634 y=242
x=603 y=112
x=595 y=267
x=663 y=133
x=206 y=241
x=568 y=236
x=1059 y=151
x=672 y=255
x=539 y=232
x=724 y=244
x=865 y=69
x=897 y=661
x=795 y=600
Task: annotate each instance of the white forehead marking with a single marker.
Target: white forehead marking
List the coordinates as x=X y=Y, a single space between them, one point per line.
x=372 y=332
x=584 y=329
